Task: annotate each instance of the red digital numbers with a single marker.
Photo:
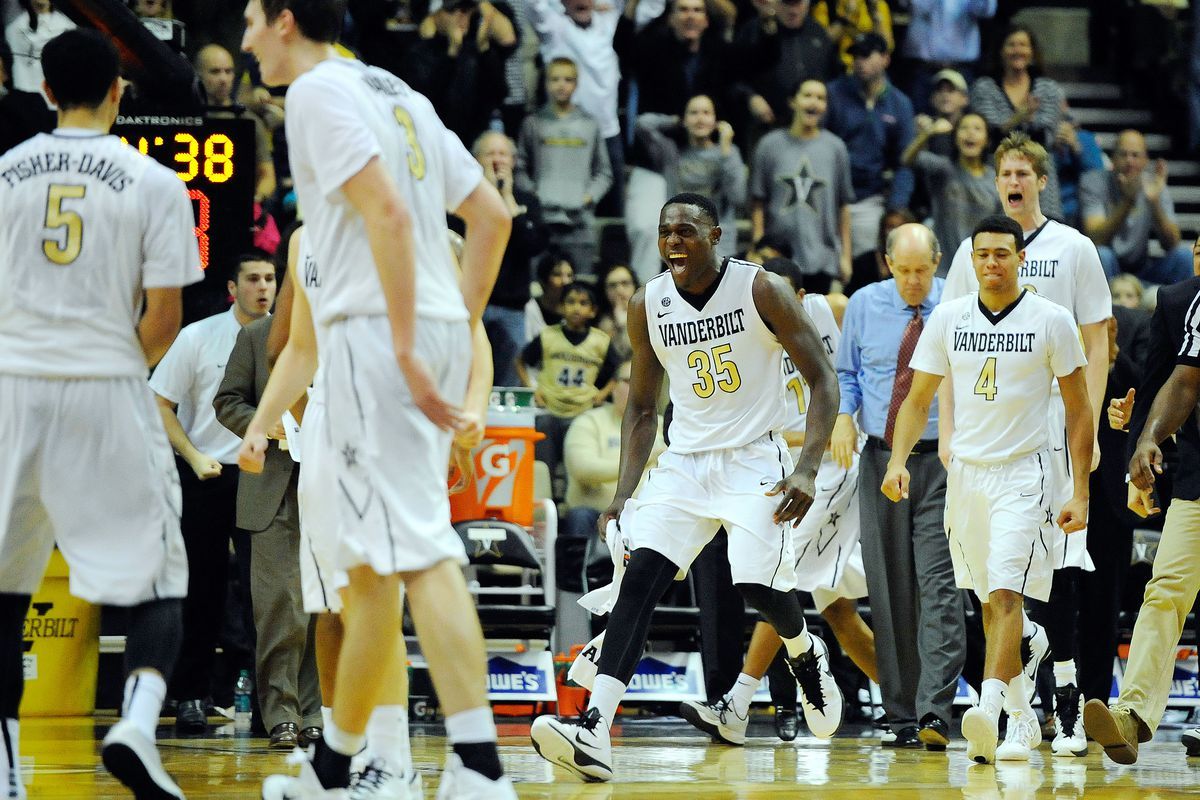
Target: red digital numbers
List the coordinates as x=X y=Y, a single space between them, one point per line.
x=202 y=218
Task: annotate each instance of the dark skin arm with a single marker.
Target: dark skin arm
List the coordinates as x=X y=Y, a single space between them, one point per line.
x=779 y=308
x=639 y=426
x=1172 y=406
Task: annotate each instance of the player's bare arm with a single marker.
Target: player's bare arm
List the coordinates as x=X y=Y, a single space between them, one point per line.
x=639 y=426
x=291 y=377
x=389 y=229
x=204 y=465
x=1095 y=347
x=910 y=424
x=779 y=308
x=488 y=226
x=160 y=323
x=1080 y=437
x=281 y=319
x=1171 y=407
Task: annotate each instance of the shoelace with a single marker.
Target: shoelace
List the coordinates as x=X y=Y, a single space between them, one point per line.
x=1066 y=705
x=588 y=720
x=1021 y=727
x=373 y=776
x=722 y=707
x=807 y=671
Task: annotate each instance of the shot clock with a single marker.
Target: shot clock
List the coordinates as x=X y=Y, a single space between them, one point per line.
x=215 y=157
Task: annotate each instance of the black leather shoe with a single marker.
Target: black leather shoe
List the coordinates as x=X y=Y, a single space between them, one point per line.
x=935 y=733
x=309 y=735
x=787 y=725
x=190 y=718
x=284 y=736
x=906 y=738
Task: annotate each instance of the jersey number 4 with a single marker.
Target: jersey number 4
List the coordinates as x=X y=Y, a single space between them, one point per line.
x=714 y=365
x=986 y=385
x=65 y=226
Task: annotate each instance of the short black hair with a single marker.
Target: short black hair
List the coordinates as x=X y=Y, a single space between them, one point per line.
x=998 y=223
x=80 y=66
x=699 y=201
x=787 y=269
x=580 y=287
x=551 y=259
x=318 y=20
x=776 y=243
x=251 y=255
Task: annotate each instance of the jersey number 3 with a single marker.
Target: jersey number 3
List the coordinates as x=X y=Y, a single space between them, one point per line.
x=416 y=156
x=986 y=385
x=715 y=364
x=65 y=227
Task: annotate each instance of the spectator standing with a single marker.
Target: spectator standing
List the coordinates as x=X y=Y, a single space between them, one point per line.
x=875 y=120
x=846 y=19
x=619 y=284
x=801 y=191
x=504 y=316
x=26 y=35
x=916 y=610
x=1123 y=206
x=941 y=34
x=562 y=158
x=1017 y=97
x=950 y=101
x=962 y=190
x=696 y=153
x=185 y=383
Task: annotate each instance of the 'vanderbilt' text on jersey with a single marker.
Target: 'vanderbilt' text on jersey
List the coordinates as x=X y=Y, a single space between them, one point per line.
x=722 y=361
x=1003 y=366
x=794 y=386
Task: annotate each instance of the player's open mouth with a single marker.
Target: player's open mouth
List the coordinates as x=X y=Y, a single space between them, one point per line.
x=1015 y=198
x=677 y=259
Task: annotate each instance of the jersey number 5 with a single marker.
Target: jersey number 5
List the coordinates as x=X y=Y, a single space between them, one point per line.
x=416 y=156
x=727 y=378
x=986 y=385
x=59 y=248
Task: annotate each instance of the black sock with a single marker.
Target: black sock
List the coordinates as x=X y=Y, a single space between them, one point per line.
x=482 y=757
x=332 y=768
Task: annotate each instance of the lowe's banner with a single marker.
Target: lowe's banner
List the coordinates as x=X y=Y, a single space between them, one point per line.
x=521 y=676
x=667 y=677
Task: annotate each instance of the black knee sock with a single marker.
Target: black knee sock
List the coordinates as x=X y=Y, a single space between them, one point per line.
x=155 y=631
x=646 y=580
x=1062 y=614
x=13 y=608
x=332 y=767
x=781 y=609
x=483 y=757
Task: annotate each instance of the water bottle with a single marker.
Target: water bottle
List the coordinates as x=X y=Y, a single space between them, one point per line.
x=241 y=701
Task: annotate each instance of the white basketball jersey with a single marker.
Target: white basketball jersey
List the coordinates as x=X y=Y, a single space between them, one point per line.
x=1061 y=264
x=87 y=224
x=722 y=361
x=1003 y=366
x=340 y=115
x=794 y=385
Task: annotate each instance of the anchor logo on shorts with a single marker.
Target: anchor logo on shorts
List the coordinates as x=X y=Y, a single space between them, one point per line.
x=350 y=456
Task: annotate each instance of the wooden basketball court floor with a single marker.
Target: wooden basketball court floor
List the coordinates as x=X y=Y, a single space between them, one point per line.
x=655 y=759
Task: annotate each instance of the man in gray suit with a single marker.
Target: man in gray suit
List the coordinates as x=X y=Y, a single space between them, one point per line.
x=266 y=507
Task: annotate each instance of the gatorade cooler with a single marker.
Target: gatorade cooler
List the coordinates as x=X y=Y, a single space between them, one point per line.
x=62 y=649
x=502 y=487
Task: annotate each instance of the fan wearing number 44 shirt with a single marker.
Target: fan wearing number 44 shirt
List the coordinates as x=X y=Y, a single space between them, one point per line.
x=1004 y=347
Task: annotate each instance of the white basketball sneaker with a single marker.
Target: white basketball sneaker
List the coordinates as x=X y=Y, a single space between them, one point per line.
x=719 y=720
x=1069 y=738
x=578 y=744
x=980 y=727
x=133 y=759
x=460 y=783
x=1023 y=736
x=820 y=696
x=305 y=786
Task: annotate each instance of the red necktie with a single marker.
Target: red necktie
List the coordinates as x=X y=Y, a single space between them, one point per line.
x=904 y=373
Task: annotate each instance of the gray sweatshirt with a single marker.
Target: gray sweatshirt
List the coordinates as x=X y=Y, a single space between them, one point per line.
x=562 y=160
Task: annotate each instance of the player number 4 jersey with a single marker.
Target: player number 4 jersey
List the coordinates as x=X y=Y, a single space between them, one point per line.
x=1003 y=366
x=723 y=363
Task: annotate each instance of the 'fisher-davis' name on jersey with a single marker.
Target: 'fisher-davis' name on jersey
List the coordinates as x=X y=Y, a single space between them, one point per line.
x=56 y=162
x=702 y=330
x=972 y=342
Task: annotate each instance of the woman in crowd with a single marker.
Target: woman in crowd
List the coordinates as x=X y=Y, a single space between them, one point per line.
x=619 y=284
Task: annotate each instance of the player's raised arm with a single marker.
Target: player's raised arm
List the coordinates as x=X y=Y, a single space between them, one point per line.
x=1080 y=436
x=639 y=426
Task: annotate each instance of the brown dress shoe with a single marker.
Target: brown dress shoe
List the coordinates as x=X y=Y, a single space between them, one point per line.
x=285 y=736
x=1114 y=729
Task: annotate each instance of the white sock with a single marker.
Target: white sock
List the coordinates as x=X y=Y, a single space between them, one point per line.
x=326 y=716
x=991 y=694
x=1064 y=673
x=341 y=741
x=12 y=753
x=798 y=645
x=1017 y=696
x=607 y=692
x=144 y=694
x=742 y=693
x=473 y=726
x=1028 y=628
x=387 y=736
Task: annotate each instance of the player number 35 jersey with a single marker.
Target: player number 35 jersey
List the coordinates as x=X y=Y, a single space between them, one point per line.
x=723 y=363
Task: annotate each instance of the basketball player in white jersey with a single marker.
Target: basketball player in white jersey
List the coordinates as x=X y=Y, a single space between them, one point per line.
x=719 y=332
x=93 y=234
x=1062 y=265
x=825 y=545
x=1004 y=346
x=375 y=172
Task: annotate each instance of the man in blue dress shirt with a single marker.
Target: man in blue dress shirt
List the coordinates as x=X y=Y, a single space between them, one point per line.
x=916 y=611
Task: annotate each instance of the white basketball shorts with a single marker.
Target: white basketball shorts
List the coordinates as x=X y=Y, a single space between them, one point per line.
x=320 y=579
x=828 y=555
x=999 y=519
x=688 y=497
x=1067 y=551
x=388 y=476
x=86 y=463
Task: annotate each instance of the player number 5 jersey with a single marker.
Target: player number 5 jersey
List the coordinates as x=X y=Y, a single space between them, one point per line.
x=723 y=363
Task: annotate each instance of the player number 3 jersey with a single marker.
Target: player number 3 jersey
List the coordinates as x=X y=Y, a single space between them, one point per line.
x=723 y=362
